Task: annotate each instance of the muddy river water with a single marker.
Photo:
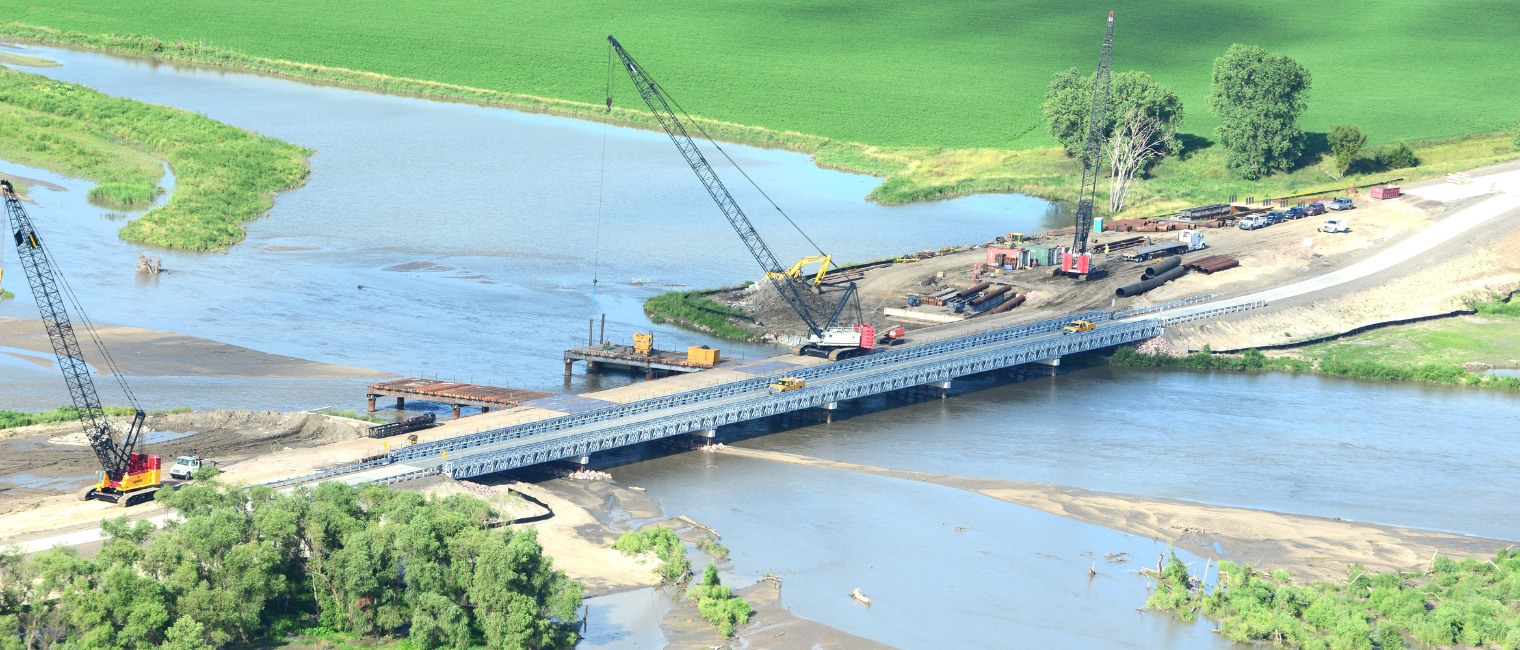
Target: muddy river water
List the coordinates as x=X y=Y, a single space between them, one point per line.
x=493 y=214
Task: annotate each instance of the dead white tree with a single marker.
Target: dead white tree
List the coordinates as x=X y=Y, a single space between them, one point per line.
x=1133 y=146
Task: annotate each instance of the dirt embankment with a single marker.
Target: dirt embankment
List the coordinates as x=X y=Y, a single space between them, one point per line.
x=153 y=353
x=1311 y=547
x=42 y=467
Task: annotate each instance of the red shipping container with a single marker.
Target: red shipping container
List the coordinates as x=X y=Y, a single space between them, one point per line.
x=1390 y=192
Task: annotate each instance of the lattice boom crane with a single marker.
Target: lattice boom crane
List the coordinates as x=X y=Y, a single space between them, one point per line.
x=827 y=340
x=1078 y=262
x=128 y=477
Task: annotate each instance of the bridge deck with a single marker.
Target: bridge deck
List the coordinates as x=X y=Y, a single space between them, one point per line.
x=569 y=426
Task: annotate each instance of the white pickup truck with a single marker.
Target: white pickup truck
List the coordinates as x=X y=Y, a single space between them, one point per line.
x=1335 y=225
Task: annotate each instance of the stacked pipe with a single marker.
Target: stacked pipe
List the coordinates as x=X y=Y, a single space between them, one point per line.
x=1160 y=266
x=973 y=290
x=1146 y=285
x=991 y=295
x=1213 y=264
x=1008 y=304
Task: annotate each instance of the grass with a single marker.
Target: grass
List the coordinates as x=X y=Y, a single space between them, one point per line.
x=11 y=58
x=790 y=82
x=1491 y=337
x=666 y=547
x=1468 y=602
x=352 y=415
x=1435 y=351
x=124 y=195
x=226 y=175
x=693 y=309
x=6 y=294
x=62 y=414
x=963 y=75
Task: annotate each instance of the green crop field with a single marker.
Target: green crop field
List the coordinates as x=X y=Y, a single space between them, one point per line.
x=965 y=74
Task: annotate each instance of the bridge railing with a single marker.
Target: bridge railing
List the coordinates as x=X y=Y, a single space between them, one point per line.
x=1168 y=322
x=494 y=436
x=509 y=456
x=1171 y=305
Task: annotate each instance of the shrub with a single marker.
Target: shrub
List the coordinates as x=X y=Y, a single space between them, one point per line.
x=718 y=604
x=661 y=541
x=695 y=309
x=1399 y=157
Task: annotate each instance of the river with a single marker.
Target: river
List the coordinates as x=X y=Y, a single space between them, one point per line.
x=510 y=197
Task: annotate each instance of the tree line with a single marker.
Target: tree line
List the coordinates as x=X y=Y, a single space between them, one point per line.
x=243 y=565
x=1257 y=95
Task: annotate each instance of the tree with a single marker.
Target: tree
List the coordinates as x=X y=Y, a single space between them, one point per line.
x=1346 y=143
x=1258 y=97
x=1143 y=120
x=1514 y=138
x=1068 y=103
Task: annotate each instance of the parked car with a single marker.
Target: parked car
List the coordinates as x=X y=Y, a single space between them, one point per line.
x=1335 y=225
x=1341 y=203
x=1274 y=218
x=1294 y=212
x=1315 y=209
x=1252 y=223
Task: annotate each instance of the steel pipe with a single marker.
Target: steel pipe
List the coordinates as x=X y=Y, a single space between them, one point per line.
x=1163 y=265
x=1146 y=285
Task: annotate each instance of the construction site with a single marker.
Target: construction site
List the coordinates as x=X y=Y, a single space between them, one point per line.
x=843 y=342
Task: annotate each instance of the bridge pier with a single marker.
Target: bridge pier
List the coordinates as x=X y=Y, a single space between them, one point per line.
x=1052 y=364
x=705 y=433
x=828 y=411
x=943 y=386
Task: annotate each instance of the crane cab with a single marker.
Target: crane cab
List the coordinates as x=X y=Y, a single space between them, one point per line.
x=138 y=483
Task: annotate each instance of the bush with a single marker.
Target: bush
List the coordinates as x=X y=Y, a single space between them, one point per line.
x=12 y=419
x=1464 y=602
x=1399 y=157
x=718 y=604
x=661 y=541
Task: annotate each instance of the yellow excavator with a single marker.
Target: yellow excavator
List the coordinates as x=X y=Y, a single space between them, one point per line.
x=795 y=273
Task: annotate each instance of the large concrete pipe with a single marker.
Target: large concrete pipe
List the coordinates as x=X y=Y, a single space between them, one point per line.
x=974 y=290
x=1146 y=285
x=990 y=295
x=1008 y=304
x=1161 y=266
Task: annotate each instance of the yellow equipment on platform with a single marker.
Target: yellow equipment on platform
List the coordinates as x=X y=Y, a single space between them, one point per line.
x=702 y=354
x=795 y=273
x=1016 y=238
x=643 y=343
x=785 y=384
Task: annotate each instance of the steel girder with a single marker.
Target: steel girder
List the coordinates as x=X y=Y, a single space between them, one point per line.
x=531 y=453
x=620 y=411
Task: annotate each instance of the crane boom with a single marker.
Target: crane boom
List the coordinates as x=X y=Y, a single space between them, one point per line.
x=1078 y=262
x=124 y=470
x=655 y=97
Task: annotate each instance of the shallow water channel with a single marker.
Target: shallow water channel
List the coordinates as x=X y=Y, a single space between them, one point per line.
x=504 y=206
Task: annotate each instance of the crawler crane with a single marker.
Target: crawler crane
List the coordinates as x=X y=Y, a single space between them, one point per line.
x=127 y=477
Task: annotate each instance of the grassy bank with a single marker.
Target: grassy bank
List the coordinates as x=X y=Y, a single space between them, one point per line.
x=1437 y=373
x=1443 y=351
x=664 y=545
x=226 y=175
x=928 y=152
x=694 y=310
x=964 y=75
x=1471 y=602
x=62 y=414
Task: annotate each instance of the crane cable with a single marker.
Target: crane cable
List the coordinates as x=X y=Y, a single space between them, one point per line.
x=601 y=183
x=752 y=182
x=89 y=326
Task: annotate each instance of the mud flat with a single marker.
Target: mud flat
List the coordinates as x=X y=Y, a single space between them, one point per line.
x=153 y=353
x=1310 y=547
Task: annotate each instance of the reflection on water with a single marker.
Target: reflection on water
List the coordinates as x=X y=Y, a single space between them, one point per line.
x=473 y=232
